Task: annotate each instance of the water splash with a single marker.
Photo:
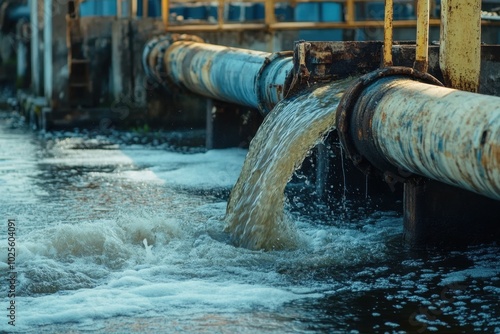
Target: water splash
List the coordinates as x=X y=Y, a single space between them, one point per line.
x=255 y=216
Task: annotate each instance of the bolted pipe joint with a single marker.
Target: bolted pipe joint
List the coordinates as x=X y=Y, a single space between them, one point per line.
x=153 y=56
x=403 y=124
x=355 y=116
x=274 y=80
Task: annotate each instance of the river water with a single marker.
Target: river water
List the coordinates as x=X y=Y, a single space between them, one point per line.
x=125 y=233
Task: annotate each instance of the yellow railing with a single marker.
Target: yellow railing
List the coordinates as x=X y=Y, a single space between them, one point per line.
x=270 y=22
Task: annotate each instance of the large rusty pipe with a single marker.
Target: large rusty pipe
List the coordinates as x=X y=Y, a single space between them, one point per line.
x=404 y=126
x=244 y=77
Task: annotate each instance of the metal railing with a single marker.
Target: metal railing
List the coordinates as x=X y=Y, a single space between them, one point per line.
x=350 y=16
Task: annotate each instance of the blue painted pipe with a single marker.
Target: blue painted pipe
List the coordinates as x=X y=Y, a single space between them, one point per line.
x=245 y=77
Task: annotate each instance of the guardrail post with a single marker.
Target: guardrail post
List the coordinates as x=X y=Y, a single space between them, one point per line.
x=145 y=8
x=388 y=18
x=165 y=7
x=460 y=52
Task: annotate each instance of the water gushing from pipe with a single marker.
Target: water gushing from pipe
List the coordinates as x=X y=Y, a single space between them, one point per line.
x=255 y=216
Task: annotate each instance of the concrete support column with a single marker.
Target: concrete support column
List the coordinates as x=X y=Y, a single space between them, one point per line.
x=121 y=65
x=437 y=214
x=36 y=26
x=56 y=72
x=228 y=125
x=23 y=54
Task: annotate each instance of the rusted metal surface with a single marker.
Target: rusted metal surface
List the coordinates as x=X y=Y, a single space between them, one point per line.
x=405 y=55
x=354 y=120
x=388 y=22
x=245 y=77
x=273 y=80
x=422 y=40
x=153 y=53
x=198 y=68
x=326 y=61
x=460 y=53
x=403 y=126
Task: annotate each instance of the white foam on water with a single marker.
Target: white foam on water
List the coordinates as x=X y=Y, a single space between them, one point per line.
x=463 y=275
x=214 y=168
x=158 y=260
x=131 y=295
x=169 y=262
x=16 y=160
x=82 y=275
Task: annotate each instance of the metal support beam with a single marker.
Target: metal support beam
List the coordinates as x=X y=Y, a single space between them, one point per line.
x=145 y=8
x=270 y=16
x=460 y=52
x=421 y=55
x=388 y=33
x=441 y=215
x=132 y=8
x=165 y=12
x=230 y=125
x=119 y=9
x=220 y=14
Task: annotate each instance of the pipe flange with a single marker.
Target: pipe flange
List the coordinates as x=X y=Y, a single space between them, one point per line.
x=153 y=56
x=264 y=107
x=344 y=117
x=150 y=45
x=160 y=71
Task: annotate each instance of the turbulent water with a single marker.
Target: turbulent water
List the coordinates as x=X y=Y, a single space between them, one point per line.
x=124 y=233
x=255 y=213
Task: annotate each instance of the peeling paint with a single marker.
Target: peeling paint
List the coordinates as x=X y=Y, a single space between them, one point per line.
x=458 y=133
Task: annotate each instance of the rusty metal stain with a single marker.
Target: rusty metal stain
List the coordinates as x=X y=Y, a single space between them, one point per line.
x=388 y=33
x=460 y=51
x=439 y=153
x=422 y=41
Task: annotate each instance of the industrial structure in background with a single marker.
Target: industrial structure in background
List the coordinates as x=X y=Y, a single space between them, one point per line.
x=79 y=61
x=126 y=63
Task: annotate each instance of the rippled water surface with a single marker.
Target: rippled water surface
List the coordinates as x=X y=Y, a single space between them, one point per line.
x=116 y=234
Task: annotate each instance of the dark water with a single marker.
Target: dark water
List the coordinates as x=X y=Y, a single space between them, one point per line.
x=117 y=234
